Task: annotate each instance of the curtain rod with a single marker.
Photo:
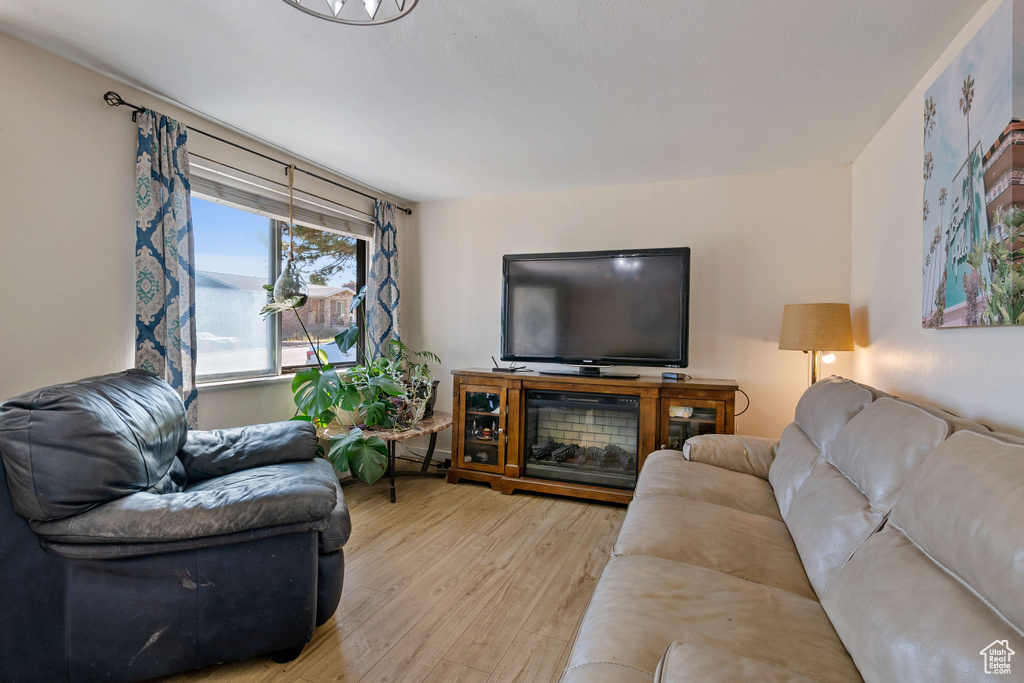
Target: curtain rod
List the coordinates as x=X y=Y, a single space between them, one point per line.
x=115 y=100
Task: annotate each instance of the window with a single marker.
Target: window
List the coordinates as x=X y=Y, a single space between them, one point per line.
x=333 y=266
x=237 y=252
x=234 y=258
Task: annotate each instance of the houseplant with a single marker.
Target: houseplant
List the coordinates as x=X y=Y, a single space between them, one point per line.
x=319 y=392
x=416 y=374
x=403 y=366
x=390 y=392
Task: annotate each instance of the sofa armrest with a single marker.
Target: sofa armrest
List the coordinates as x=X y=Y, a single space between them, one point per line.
x=689 y=663
x=744 y=454
x=209 y=454
x=300 y=493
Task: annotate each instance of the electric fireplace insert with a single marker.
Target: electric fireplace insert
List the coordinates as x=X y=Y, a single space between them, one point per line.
x=584 y=438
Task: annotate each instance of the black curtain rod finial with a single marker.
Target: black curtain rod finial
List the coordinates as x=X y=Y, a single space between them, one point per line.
x=115 y=100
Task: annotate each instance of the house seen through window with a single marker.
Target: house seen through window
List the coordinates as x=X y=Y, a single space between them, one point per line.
x=238 y=252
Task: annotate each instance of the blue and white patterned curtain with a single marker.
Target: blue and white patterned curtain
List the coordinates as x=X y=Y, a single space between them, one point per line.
x=165 y=308
x=383 y=322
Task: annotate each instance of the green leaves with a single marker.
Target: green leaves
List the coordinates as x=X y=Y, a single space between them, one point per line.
x=273 y=307
x=358 y=299
x=367 y=458
x=377 y=413
x=347 y=339
x=388 y=385
x=350 y=398
x=317 y=391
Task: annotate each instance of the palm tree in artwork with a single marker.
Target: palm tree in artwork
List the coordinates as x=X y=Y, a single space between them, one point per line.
x=929 y=116
x=967 y=98
x=943 y=196
x=929 y=166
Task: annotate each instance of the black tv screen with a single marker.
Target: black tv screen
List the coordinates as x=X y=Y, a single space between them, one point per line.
x=626 y=307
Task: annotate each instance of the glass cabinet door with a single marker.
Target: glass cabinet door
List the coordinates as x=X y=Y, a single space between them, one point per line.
x=685 y=418
x=483 y=436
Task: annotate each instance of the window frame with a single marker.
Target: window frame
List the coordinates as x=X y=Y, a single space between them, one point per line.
x=275 y=337
x=361 y=272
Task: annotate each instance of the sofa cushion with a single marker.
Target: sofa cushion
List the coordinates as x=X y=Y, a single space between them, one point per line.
x=903 y=618
x=743 y=544
x=822 y=411
x=827 y=406
x=850 y=491
x=689 y=663
x=978 y=539
x=669 y=473
x=641 y=604
x=739 y=453
x=71 y=447
x=794 y=458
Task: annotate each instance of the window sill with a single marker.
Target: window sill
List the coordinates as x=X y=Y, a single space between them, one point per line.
x=219 y=385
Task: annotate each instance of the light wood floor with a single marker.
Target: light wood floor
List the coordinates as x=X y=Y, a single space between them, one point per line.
x=451 y=583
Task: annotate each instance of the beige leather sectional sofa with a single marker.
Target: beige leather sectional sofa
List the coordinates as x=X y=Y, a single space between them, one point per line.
x=877 y=539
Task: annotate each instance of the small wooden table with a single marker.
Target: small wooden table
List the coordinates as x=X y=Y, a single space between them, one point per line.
x=428 y=425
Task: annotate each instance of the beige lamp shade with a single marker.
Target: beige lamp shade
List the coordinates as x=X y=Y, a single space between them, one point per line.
x=816 y=327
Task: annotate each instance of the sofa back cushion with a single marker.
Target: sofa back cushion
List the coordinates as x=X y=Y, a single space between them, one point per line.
x=823 y=410
x=827 y=406
x=70 y=447
x=937 y=593
x=795 y=456
x=853 y=485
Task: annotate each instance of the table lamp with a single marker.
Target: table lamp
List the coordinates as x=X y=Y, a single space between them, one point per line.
x=813 y=328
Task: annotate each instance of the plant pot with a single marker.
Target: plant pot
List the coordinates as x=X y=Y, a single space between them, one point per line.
x=432 y=399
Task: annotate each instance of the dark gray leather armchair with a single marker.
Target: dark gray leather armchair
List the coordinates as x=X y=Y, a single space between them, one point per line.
x=132 y=548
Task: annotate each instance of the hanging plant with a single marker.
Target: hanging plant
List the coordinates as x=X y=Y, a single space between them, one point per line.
x=320 y=391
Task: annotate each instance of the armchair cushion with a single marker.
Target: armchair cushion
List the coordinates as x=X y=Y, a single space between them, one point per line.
x=71 y=447
x=222 y=451
x=275 y=495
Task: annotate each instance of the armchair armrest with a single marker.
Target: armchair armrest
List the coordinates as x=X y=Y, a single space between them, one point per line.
x=284 y=495
x=744 y=454
x=209 y=454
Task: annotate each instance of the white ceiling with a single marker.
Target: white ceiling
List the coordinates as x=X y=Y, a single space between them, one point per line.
x=486 y=97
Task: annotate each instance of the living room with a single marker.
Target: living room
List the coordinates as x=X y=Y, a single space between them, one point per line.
x=843 y=230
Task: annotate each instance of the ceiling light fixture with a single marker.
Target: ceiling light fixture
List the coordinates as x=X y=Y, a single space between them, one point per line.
x=373 y=13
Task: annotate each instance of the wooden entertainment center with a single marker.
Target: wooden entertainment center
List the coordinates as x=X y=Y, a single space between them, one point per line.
x=574 y=435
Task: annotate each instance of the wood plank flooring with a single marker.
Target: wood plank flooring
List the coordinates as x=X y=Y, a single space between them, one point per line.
x=451 y=583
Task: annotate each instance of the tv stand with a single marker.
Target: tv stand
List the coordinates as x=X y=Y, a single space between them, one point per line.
x=499 y=439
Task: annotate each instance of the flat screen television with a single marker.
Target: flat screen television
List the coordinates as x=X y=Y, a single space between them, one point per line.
x=597 y=308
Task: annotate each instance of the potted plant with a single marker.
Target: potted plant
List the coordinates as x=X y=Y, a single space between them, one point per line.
x=402 y=367
x=416 y=374
x=391 y=392
x=319 y=392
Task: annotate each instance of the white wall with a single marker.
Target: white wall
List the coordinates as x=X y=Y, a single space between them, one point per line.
x=758 y=242
x=67 y=221
x=973 y=372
